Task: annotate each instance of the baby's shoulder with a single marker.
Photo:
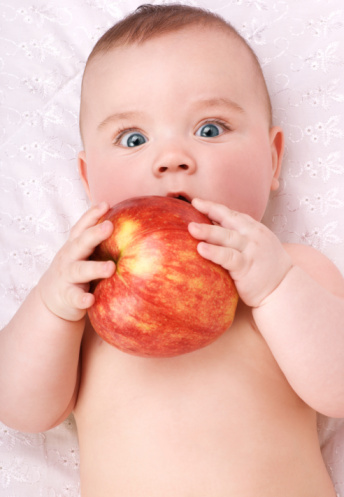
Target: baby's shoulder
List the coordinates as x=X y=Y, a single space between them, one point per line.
x=318 y=266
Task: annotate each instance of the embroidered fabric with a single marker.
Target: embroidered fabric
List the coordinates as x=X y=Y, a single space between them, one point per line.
x=44 y=46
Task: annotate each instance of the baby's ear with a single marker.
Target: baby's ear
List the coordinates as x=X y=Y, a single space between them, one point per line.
x=82 y=167
x=277 y=149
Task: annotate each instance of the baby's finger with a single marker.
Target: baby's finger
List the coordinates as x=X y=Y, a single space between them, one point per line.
x=222 y=215
x=217 y=235
x=86 y=271
x=83 y=246
x=228 y=258
x=78 y=299
x=90 y=218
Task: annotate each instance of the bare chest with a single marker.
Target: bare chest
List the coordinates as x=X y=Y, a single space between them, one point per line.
x=193 y=414
x=235 y=374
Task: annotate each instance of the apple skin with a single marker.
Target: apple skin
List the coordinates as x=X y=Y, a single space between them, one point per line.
x=164 y=298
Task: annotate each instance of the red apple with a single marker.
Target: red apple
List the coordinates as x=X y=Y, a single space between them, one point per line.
x=164 y=298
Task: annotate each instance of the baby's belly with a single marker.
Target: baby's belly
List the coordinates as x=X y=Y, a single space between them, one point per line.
x=219 y=422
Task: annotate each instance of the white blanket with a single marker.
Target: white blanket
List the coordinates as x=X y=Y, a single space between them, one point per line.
x=43 y=49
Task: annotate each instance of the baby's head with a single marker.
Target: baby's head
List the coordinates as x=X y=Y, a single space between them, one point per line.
x=149 y=21
x=174 y=102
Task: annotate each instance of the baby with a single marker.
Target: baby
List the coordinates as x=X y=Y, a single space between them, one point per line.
x=174 y=103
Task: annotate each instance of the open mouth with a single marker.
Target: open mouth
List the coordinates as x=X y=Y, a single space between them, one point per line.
x=180 y=196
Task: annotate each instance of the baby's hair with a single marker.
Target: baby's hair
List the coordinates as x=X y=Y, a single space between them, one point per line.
x=149 y=21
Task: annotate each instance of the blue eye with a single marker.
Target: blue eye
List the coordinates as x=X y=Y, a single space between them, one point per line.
x=132 y=139
x=209 y=130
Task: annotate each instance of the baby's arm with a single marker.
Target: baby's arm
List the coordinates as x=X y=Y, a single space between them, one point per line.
x=297 y=298
x=39 y=348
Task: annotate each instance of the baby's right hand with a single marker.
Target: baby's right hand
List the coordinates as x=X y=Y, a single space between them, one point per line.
x=64 y=288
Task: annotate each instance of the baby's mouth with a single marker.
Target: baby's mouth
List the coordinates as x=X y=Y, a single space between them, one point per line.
x=180 y=196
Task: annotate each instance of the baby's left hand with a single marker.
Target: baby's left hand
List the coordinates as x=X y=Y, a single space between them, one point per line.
x=253 y=255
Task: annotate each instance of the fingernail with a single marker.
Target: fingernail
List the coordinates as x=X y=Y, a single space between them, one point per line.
x=194 y=226
x=85 y=299
x=108 y=266
x=104 y=225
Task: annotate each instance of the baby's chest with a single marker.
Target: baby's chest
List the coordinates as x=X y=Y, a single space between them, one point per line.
x=193 y=414
x=235 y=374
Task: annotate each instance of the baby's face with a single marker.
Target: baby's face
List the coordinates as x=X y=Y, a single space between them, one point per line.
x=181 y=114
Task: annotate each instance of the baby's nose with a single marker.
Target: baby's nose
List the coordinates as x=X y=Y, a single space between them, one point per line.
x=173 y=167
x=174 y=160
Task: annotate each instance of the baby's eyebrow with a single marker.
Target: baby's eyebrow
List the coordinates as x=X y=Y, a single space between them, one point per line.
x=219 y=102
x=201 y=103
x=119 y=116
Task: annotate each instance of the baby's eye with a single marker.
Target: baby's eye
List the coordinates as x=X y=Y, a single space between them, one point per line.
x=132 y=139
x=210 y=130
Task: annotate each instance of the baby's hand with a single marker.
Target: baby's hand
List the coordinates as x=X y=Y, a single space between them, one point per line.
x=65 y=285
x=253 y=255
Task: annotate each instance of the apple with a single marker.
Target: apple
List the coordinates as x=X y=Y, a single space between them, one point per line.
x=164 y=299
